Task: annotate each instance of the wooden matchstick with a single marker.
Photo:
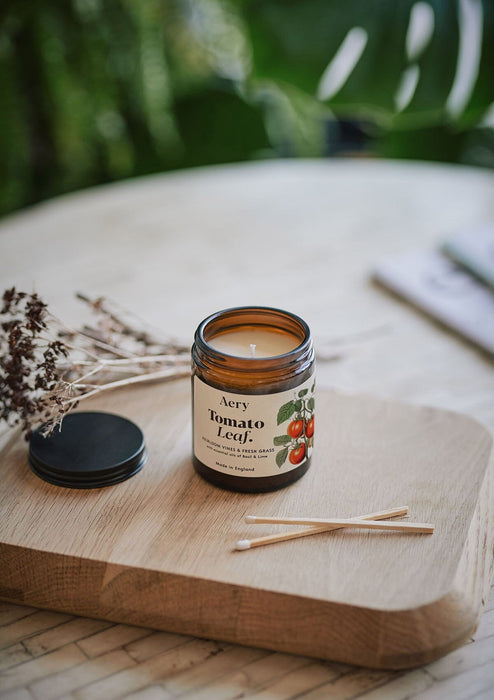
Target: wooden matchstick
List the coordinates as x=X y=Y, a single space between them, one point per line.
x=314 y=530
x=423 y=528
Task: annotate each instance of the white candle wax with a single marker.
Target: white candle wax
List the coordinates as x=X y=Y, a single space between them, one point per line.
x=268 y=342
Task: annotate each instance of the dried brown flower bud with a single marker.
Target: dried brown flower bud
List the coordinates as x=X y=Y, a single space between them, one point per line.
x=44 y=365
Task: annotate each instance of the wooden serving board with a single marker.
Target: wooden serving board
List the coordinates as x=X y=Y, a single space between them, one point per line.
x=158 y=549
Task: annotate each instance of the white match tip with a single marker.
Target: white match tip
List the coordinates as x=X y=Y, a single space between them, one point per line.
x=250 y=518
x=243 y=544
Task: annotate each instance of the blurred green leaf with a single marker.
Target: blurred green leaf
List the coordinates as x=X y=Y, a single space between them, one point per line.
x=296 y=43
x=217 y=126
x=99 y=90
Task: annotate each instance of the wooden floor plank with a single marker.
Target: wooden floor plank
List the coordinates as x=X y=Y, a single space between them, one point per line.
x=152 y=692
x=17 y=694
x=351 y=685
x=155 y=643
x=215 y=667
x=297 y=683
x=249 y=678
x=69 y=680
x=30 y=671
x=484 y=695
x=147 y=673
x=111 y=638
x=72 y=631
x=486 y=626
x=464 y=659
x=10 y=612
x=12 y=656
x=30 y=625
x=464 y=686
x=401 y=687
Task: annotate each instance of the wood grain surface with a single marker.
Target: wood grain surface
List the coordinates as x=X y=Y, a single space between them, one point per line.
x=299 y=235
x=158 y=549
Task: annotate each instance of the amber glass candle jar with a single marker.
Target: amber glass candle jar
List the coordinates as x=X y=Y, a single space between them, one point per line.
x=253 y=398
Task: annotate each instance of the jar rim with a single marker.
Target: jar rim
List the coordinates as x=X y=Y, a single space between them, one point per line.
x=238 y=316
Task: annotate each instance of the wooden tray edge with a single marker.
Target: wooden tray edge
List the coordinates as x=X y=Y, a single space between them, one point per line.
x=271 y=620
x=228 y=612
x=291 y=624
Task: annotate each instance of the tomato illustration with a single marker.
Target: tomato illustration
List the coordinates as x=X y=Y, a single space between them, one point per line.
x=295 y=428
x=297 y=455
x=309 y=428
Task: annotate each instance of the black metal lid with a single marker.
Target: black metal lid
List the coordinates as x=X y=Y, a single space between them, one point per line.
x=93 y=449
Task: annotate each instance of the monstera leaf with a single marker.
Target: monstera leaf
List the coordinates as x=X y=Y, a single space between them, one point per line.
x=94 y=91
x=398 y=63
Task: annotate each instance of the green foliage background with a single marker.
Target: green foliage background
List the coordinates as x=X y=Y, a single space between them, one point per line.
x=98 y=90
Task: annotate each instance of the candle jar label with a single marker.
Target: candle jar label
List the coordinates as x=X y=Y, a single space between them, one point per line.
x=253 y=434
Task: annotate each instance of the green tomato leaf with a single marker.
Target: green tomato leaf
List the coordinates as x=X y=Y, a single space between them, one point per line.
x=286 y=412
x=298 y=405
x=303 y=392
x=282 y=440
x=310 y=403
x=312 y=388
x=281 y=457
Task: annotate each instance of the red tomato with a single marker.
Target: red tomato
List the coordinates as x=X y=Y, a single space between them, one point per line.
x=295 y=428
x=309 y=428
x=297 y=455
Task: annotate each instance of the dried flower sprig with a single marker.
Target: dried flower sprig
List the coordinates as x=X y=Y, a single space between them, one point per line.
x=47 y=368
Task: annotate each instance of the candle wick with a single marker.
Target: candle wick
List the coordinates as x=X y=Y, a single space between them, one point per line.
x=252 y=350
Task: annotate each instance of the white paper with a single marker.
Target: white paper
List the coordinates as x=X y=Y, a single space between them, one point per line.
x=444 y=290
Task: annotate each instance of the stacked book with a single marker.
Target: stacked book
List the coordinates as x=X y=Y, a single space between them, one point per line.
x=454 y=284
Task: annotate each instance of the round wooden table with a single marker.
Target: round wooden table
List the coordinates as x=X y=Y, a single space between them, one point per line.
x=300 y=235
